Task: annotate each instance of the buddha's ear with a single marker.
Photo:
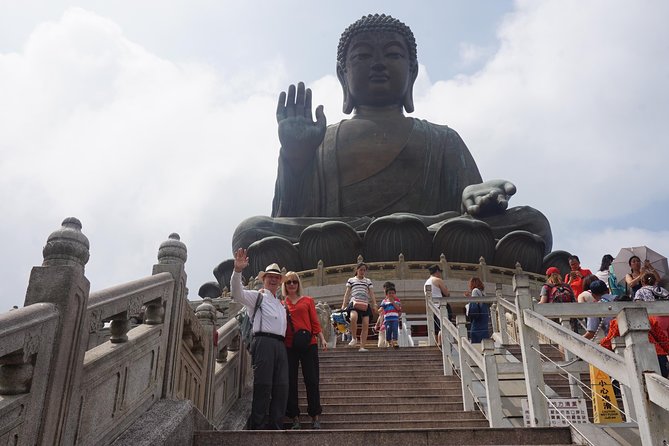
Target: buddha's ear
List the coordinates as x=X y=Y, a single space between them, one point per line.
x=408 y=97
x=348 y=103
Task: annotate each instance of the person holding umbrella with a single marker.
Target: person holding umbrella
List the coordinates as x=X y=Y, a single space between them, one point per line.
x=635 y=276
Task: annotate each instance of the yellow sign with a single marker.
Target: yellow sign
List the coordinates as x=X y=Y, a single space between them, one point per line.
x=604 y=404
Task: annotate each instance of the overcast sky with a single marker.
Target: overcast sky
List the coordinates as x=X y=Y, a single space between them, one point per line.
x=151 y=117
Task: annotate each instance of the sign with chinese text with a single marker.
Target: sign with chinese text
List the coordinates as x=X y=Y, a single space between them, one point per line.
x=604 y=404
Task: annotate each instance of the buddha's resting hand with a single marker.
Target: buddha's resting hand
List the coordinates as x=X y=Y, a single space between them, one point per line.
x=488 y=198
x=300 y=136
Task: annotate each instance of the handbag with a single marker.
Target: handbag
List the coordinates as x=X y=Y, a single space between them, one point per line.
x=301 y=338
x=360 y=306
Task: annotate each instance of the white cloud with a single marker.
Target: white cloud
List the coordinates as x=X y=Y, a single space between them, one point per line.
x=570 y=104
x=134 y=145
x=570 y=108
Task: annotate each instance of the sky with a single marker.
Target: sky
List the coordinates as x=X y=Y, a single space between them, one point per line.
x=152 y=117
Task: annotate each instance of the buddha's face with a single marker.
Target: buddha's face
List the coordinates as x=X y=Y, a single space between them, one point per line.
x=378 y=69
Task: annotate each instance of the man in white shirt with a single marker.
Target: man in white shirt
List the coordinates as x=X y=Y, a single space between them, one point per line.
x=268 y=352
x=439 y=290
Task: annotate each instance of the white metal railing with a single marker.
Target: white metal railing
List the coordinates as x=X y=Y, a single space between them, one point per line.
x=634 y=364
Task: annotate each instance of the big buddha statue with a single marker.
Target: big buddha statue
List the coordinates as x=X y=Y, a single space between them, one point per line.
x=382 y=183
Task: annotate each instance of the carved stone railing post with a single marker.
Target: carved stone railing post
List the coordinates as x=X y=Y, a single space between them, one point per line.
x=529 y=344
x=429 y=315
x=119 y=329
x=501 y=315
x=640 y=358
x=402 y=268
x=483 y=269
x=172 y=256
x=320 y=273
x=618 y=344
x=206 y=314
x=61 y=281
x=574 y=389
x=447 y=341
x=466 y=373
x=443 y=263
x=493 y=397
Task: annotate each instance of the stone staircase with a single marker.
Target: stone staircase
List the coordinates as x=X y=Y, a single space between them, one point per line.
x=388 y=397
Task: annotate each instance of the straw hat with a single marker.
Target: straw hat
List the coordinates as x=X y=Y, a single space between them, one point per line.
x=271 y=269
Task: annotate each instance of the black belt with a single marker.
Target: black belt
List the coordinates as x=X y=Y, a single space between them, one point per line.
x=269 y=335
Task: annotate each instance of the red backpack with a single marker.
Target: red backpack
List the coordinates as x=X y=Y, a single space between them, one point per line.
x=561 y=294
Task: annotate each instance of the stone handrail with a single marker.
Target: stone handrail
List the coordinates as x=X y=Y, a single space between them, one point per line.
x=63 y=383
x=645 y=392
x=120 y=303
x=26 y=348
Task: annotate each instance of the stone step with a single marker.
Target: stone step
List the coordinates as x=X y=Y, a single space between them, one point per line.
x=328 y=384
x=404 y=423
x=346 y=376
x=474 y=436
x=403 y=407
x=390 y=399
x=383 y=414
x=329 y=395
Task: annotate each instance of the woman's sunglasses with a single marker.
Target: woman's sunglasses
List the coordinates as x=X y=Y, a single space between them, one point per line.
x=292 y=282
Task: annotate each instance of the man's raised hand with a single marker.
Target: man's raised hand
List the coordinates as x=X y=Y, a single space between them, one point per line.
x=241 y=260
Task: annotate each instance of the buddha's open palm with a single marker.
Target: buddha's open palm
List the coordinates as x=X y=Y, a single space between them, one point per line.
x=299 y=134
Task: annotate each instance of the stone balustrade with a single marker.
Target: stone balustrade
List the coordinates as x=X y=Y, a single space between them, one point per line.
x=82 y=368
x=522 y=321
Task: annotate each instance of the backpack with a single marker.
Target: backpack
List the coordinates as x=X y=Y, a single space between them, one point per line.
x=246 y=323
x=660 y=293
x=618 y=288
x=561 y=294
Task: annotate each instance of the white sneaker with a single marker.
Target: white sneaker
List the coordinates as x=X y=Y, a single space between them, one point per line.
x=353 y=343
x=362 y=349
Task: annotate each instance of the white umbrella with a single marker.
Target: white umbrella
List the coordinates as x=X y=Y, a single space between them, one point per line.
x=621 y=262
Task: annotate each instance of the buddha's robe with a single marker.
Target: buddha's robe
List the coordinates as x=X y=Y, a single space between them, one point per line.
x=427 y=177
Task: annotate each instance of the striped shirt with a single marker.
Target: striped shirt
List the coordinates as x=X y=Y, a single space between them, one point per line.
x=359 y=289
x=390 y=313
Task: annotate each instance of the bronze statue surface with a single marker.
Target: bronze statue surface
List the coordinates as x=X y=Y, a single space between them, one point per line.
x=380 y=172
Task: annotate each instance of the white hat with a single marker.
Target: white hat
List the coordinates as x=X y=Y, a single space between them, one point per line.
x=271 y=269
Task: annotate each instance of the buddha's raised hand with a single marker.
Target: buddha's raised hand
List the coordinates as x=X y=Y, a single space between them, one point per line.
x=299 y=134
x=488 y=198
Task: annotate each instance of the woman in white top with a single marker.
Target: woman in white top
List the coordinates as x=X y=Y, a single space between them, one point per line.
x=603 y=273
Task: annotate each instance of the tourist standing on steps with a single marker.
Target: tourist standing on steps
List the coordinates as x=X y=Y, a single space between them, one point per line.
x=268 y=352
x=302 y=316
x=438 y=291
x=605 y=270
x=633 y=278
x=478 y=312
x=576 y=275
x=390 y=310
x=357 y=298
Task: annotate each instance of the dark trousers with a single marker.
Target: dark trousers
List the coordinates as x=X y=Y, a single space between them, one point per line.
x=664 y=367
x=310 y=372
x=270 y=383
